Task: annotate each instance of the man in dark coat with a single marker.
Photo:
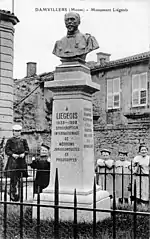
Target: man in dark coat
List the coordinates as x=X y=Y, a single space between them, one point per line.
x=16 y=149
x=42 y=164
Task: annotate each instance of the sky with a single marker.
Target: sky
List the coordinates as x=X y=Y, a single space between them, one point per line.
x=120 y=34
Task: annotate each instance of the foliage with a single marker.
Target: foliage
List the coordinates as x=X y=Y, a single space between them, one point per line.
x=124 y=226
x=48 y=110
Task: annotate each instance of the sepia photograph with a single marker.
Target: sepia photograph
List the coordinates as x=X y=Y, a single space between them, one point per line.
x=74 y=119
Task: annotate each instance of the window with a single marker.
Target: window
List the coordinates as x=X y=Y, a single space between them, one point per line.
x=139 y=89
x=113 y=93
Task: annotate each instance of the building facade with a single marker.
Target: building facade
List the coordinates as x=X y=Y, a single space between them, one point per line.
x=122 y=107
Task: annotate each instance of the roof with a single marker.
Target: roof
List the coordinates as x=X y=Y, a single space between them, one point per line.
x=94 y=66
x=124 y=61
x=8 y=16
x=46 y=76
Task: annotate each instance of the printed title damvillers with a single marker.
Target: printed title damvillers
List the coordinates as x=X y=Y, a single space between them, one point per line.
x=45 y=9
x=60 y=9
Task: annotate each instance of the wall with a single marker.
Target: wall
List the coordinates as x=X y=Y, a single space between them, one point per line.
x=127 y=138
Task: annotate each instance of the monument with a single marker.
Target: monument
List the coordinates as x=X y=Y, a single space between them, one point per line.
x=72 y=147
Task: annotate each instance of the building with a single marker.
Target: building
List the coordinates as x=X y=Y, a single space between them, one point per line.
x=121 y=108
x=33 y=106
x=7 y=23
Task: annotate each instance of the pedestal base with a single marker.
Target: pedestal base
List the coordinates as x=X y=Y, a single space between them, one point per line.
x=66 y=199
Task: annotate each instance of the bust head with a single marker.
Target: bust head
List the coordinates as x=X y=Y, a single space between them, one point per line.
x=75 y=45
x=72 y=21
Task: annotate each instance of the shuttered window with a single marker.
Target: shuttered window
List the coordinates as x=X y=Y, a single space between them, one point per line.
x=139 y=89
x=113 y=93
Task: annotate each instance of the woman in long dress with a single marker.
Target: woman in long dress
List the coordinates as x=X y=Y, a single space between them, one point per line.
x=123 y=181
x=141 y=164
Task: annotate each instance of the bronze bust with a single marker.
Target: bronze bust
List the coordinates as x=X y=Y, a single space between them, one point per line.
x=75 y=44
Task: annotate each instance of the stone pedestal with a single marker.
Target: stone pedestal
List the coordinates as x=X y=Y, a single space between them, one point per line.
x=72 y=147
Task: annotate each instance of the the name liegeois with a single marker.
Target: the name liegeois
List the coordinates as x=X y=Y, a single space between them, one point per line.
x=66 y=115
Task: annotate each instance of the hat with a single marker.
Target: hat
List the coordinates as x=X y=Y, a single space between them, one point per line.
x=123 y=152
x=45 y=146
x=105 y=150
x=17 y=127
x=142 y=145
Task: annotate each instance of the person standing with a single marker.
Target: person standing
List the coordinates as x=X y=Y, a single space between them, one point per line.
x=123 y=181
x=104 y=170
x=42 y=164
x=141 y=164
x=16 y=149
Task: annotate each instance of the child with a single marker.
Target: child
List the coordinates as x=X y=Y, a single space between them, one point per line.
x=105 y=164
x=141 y=163
x=42 y=164
x=122 y=183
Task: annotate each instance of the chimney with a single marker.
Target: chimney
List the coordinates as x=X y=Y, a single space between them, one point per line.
x=103 y=57
x=31 y=69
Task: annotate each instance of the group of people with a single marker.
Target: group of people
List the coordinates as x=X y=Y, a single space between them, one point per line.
x=17 y=149
x=124 y=169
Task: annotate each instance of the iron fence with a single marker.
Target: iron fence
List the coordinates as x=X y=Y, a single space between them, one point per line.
x=5 y=202
x=130 y=186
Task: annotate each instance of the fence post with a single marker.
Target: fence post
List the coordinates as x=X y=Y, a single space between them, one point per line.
x=149 y=185
x=26 y=188
x=75 y=216
x=94 y=209
x=122 y=184
x=56 y=209
x=114 y=205
x=131 y=181
x=149 y=192
x=33 y=176
x=140 y=188
x=5 y=210
x=134 y=209
x=105 y=176
x=10 y=189
x=38 y=214
x=1 y=184
x=21 y=206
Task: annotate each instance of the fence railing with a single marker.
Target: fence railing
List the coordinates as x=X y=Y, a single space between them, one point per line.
x=125 y=186
x=126 y=182
x=5 y=202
